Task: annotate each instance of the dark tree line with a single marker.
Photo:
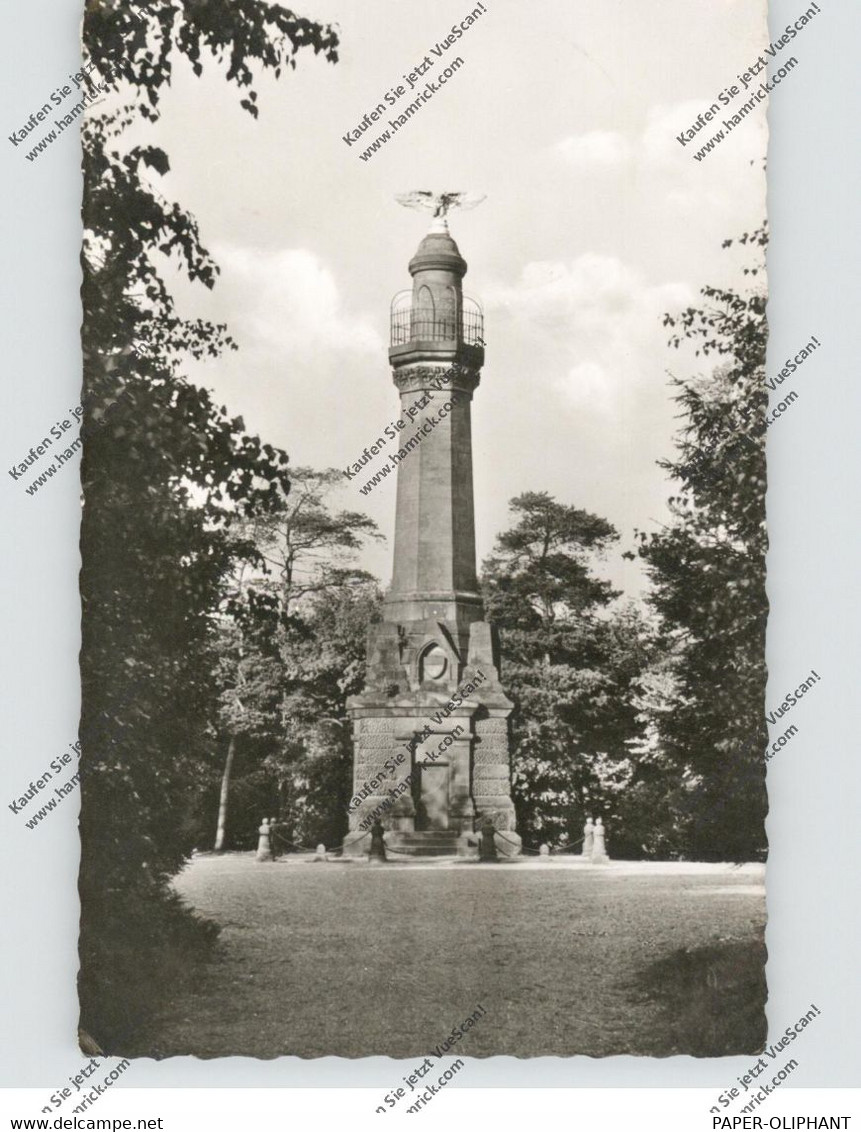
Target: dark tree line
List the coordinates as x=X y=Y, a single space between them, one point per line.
x=707 y=568
x=291 y=649
x=162 y=484
x=654 y=719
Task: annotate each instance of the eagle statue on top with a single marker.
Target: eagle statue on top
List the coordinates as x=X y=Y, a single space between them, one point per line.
x=438 y=204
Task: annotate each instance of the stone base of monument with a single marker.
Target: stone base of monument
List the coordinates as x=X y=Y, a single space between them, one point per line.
x=508 y=844
x=403 y=844
x=422 y=843
x=356 y=844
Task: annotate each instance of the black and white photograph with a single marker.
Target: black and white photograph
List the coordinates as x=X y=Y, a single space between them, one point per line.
x=432 y=705
x=423 y=543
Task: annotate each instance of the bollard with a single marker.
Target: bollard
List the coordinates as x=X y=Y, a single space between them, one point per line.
x=320 y=854
x=588 y=839
x=544 y=850
x=599 y=852
x=377 y=854
x=264 y=849
x=487 y=847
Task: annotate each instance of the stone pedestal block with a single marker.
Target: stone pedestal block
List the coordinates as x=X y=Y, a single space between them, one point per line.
x=356 y=845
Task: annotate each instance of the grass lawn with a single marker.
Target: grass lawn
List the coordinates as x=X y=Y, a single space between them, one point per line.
x=354 y=960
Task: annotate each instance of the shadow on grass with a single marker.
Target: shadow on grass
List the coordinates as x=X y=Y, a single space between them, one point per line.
x=138 y=952
x=709 y=1002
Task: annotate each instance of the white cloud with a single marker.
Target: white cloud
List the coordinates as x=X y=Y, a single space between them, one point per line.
x=667 y=173
x=286 y=302
x=732 y=170
x=588 y=383
x=599 y=149
x=595 y=322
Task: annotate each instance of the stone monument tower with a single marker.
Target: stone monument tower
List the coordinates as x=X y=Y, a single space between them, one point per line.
x=430 y=729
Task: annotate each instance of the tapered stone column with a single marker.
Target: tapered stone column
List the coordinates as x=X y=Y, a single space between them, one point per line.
x=433 y=694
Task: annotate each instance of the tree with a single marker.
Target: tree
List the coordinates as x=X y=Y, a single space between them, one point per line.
x=569 y=664
x=304 y=548
x=164 y=471
x=707 y=568
x=291 y=651
x=314 y=767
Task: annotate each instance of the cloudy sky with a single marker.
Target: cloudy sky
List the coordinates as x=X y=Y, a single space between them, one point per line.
x=564 y=113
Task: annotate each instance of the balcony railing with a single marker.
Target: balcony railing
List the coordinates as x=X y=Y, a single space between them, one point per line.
x=412 y=324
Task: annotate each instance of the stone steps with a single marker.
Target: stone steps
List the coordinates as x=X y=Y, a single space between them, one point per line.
x=426 y=843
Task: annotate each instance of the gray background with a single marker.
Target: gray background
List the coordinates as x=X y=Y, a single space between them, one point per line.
x=813 y=468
